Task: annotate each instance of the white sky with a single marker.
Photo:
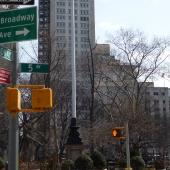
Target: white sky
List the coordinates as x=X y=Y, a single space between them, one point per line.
x=150 y=16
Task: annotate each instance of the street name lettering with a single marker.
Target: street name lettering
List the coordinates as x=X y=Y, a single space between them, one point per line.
x=19 y=18
x=5 y=34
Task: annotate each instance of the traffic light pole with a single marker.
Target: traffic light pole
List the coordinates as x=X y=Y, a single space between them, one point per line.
x=127 y=147
x=13 y=143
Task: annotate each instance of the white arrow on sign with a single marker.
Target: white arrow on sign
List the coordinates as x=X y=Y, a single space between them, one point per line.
x=26 y=1
x=25 y=32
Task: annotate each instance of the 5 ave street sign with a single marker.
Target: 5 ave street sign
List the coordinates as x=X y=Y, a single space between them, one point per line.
x=18 y=25
x=34 y=68
x=17 y=2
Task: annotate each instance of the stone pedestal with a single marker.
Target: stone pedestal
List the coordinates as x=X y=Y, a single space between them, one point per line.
x=73 y=151
x=74 y=145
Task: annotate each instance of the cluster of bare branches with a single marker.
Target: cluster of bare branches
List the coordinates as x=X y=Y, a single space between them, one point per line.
x=118 y=84
x=111 y=92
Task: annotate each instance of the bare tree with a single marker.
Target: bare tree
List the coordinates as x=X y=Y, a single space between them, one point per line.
x=126 y=76
x=54 y=123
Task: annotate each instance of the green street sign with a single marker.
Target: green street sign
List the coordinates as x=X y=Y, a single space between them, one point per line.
x=6 y=53
x=18 y=25
x=34 y=68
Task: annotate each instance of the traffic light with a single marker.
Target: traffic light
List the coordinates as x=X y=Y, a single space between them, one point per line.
x=41 y=98
x=13 y=97
x=118 y=132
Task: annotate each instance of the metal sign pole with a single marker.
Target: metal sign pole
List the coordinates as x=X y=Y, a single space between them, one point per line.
x=13 y=144
x=127 y=147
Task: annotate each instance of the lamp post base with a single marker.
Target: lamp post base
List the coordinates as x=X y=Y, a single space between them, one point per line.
x=74 y=145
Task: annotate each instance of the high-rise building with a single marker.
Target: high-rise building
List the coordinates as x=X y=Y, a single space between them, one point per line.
x=55 y=18
x=44 y=31
x=61 y=29
x=158 y=104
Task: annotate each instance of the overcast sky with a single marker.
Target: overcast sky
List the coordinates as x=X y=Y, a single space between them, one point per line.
x=149 y=16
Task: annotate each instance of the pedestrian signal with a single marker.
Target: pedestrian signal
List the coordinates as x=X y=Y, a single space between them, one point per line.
x=118 y=132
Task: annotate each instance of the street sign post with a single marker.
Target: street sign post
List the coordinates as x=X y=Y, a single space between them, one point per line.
x=4 y=76
x=17 y=2
x=34 y=68
x=18 y=25
x=6 y=53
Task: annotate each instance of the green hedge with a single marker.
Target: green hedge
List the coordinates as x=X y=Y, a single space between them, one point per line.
x=137 y=163
x=67 y=165
x=83 y=162
x=2 y=165
x=98 y=160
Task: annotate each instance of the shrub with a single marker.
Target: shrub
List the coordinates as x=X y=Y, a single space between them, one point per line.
x=99 y=161
x=137 y=163
x=67 y=165
x=1 y=164
x=121 y=163
x=83 y=162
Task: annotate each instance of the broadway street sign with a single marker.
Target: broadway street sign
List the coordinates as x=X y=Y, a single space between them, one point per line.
x=34 y=68
x=18 y=25
x=17 y=2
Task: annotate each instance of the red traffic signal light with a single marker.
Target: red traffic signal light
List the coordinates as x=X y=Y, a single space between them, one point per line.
x=118 y=132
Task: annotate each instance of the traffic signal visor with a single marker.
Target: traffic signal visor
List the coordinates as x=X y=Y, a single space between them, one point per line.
x=41 y=98
x=13 y=97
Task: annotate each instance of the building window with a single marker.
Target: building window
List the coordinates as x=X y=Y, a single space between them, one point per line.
x=156 y=102
x=148 y=93
x=155 y=93
x=156 y=109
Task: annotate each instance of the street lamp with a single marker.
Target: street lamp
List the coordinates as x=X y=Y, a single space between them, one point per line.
x=74 y=142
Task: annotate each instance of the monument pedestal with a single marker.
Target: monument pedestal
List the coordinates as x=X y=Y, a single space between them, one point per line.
x=74 y=145
x=73 y=151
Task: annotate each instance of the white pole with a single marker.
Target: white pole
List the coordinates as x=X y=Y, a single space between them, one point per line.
x=73 y=64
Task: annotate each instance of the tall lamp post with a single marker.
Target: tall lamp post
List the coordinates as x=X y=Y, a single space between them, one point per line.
x=74 y=143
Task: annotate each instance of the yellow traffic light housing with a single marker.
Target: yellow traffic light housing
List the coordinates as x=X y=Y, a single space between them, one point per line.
x=118 y=132
x=41 y=98
x=13 y=97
